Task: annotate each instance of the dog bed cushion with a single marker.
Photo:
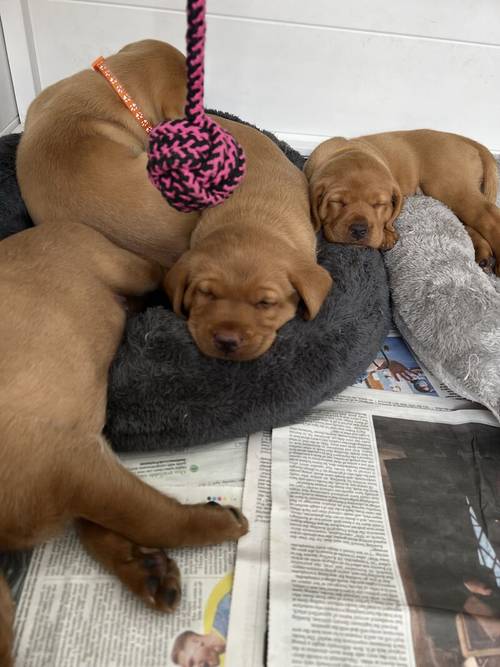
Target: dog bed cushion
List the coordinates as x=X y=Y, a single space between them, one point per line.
x=164 y=393
x=13 y=214
x=445 y=306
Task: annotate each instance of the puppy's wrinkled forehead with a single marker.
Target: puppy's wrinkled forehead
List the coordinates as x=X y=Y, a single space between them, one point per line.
x=357 y=167
x=241 y=277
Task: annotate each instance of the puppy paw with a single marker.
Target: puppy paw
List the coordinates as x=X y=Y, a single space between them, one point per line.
x=482 y=250
x=153 y=576
x=390 y=239
x=228 y=520
x=487 y=264
x=484 y=256
x=212 y=523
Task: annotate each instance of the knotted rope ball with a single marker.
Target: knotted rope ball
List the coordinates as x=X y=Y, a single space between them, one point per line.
x=193 y=161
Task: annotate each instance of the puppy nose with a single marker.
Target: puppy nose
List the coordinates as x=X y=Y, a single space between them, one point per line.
x=227 y=341
x=359 y=229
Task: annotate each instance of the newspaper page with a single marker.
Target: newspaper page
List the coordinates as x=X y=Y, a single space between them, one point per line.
x=248 y=620
x=384 y=535
x=71 y=612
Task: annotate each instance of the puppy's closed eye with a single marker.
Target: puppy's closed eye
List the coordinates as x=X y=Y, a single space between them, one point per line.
x=205 y=292
x=334 y=208
x=265 y=304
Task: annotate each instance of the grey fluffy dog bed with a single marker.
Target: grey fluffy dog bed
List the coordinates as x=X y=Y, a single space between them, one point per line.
x=163 y=392
x=445 y=306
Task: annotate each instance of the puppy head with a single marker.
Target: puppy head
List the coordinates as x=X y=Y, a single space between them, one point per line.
x=355 y=199
x=236 y=302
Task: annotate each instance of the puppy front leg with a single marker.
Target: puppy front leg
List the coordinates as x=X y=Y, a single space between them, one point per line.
x=106 y=493
x=126 y=524
x=6 y=624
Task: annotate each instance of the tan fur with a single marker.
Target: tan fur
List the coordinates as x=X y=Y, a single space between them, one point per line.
x=251 y=259
x=362 y=181
x=83 y=157
x=62 y=288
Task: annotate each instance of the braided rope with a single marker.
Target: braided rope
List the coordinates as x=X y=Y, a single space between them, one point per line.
x=193 y=161
x=195 y=58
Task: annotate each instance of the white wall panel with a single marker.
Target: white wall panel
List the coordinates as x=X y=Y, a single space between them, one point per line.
x=8 y=109
x=465 y=20
x=308 y=69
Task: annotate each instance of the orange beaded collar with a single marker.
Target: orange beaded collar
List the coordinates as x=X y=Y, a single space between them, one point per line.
x=99 y=65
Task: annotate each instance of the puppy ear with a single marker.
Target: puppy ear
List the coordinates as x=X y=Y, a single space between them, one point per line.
x=309 y=166
x=176 y=283
x=397 y=203
x=313 y=284
x=320 y=199
x=316 y=195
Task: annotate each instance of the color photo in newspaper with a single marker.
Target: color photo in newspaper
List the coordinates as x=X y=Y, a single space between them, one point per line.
x=442 y=488
x=398 y=378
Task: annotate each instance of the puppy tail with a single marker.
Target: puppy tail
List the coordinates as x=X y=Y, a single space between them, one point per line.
x=6 y=624
x=489 y=184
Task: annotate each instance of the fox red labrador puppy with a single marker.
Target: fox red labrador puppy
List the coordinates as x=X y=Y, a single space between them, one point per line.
x=83 y=156
x=252 y=259
x=62 y=290
x=357 y=186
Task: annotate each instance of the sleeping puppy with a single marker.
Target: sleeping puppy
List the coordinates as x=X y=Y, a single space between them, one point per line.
x=357 y=186
x=83 y=156
x=62 y=288
x=252 y=259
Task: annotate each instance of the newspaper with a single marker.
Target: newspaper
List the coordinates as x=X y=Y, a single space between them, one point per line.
x=248 y=620
x=71 y=612
x=384 y=534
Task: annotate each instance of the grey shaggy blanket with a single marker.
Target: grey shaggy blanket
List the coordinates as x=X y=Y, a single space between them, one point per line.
x=164 y=393
x=445 y=306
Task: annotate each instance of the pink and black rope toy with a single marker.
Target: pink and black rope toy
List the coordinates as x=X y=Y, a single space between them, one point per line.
x=193 y=161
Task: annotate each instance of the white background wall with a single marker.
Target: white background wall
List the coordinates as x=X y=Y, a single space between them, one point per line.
x=8 y=109
x=307 y=69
